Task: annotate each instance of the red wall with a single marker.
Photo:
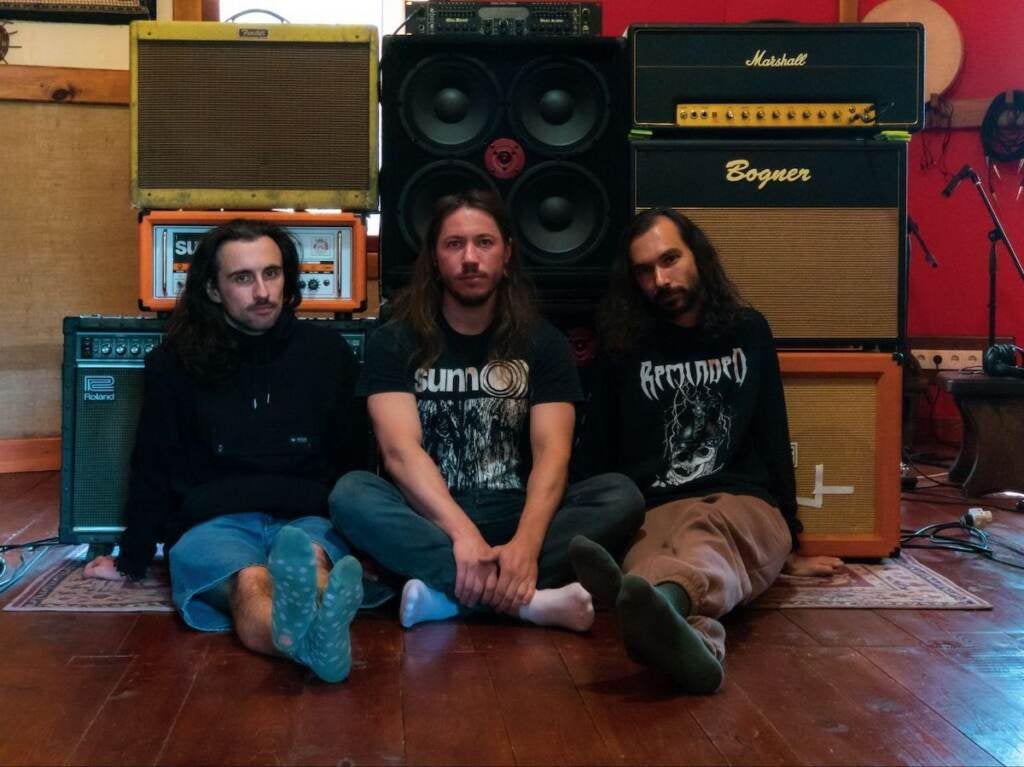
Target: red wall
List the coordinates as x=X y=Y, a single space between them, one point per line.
x=950 y=300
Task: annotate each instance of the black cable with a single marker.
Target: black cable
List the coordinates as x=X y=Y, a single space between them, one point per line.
x=52 y=541
x=415 y=12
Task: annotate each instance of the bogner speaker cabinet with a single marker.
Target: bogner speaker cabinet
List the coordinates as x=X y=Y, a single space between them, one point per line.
x=540 y=121
x=813 y=233
x=253 y=117
x=104 y=361
x=844 y=424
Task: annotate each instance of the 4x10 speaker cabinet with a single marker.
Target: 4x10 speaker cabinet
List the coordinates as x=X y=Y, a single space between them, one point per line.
x=844 y=426
x=248 y=117
x=104 y=361
x=813 y=233
x=541 y=122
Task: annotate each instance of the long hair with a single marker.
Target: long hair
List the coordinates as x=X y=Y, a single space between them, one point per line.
x=627 y=314
x=198 y=332
x=419 y=304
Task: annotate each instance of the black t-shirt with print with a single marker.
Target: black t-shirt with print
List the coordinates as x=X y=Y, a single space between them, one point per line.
x=474 y=412
x=684 y=416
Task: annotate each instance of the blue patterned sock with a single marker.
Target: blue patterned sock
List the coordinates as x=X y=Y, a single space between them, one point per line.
x=293 y=572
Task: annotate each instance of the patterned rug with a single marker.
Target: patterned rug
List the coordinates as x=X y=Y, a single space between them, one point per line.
x=897 y=583
x=61 y=588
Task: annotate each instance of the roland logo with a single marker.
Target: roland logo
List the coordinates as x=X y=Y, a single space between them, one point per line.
x=762 y=59
x=740 y=170
x=257 y=33
x=98 y=388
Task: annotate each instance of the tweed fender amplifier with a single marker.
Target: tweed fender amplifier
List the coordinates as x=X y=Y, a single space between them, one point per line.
x=844 y=427
x=813 y=233
x=332 y=255
x=539 y=121
x=103 y=371
x=248 y=117
x=796 y=76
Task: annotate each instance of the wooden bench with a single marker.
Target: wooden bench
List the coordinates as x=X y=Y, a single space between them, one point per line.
x=991 y=457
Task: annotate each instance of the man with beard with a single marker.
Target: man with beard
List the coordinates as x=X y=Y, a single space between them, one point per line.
x=471 y=397
x=688 y=402
x=247 y=419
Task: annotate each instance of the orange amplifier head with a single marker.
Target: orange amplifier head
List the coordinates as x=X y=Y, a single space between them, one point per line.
x=332 y=255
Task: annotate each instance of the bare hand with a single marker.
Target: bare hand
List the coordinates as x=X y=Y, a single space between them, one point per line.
x=821 y=567
x=103 y=568
x=474 y=569
x=517 y=576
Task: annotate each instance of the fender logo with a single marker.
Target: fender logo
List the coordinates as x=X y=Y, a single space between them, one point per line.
x=762 y=59
x=740 y=170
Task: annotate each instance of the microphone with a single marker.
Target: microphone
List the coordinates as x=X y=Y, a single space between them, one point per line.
x=963 y=173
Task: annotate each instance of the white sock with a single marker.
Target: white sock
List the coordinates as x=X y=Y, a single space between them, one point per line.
x=568 y=607
x=421 y=603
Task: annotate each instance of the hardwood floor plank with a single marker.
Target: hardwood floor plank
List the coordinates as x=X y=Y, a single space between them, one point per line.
x=46 y=708
x=133 y=723
x=358 y=721
x=31 y=511
x=642 y=720
x=981 y=711
x=546 y=719
x=497 y=635
x=850 y=628
x=165 y=637
x=376 y=635
x=764 y=627
x=437 y=637
x=451 y=712
x=45 y=639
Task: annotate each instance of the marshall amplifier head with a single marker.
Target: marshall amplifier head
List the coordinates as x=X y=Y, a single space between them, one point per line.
x=252 y=117
x=867 y=77
x=332 y=255
x=813 y=233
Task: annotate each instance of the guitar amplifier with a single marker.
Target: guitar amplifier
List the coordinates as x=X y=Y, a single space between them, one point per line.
x=866 y=77
x=332 y=255
x=103 y=370
x=813 y=233
x=253 y=116
x=487 y=17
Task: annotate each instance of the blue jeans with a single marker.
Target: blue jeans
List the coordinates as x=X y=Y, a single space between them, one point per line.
x=374 y=515
x=213 y=551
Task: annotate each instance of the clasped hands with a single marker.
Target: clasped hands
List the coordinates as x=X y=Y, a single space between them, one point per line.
x=502 y=577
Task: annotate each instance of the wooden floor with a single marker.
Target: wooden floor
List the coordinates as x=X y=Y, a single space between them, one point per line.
x=817 y=687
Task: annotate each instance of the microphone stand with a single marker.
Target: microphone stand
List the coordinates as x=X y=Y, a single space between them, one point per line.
x=995 y=236
x=928 y=257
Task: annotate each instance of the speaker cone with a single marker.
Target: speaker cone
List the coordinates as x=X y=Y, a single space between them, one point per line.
x=559 y=105
x=560 y=211
x=449 y=104
x=416 y=204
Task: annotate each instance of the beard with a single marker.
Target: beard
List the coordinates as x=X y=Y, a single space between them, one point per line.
x=468 y=296
x=675 y=302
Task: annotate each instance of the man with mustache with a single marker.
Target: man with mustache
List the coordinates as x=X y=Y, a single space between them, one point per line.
x=248 y=417
x=471 y=397
x=688 y=402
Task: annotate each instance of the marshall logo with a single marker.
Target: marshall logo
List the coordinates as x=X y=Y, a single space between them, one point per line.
x=762 y=59
x=740 y=170
x=254 y=33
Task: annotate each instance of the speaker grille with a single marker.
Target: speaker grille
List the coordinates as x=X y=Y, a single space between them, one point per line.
x=832 y=423
x=238 y=115
x=815 y=273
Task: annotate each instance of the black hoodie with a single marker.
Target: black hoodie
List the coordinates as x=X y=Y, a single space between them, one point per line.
x=271 y=437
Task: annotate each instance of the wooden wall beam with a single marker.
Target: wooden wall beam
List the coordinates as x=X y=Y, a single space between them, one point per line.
x=19 y=455
x=64 y=85
x=848 y=11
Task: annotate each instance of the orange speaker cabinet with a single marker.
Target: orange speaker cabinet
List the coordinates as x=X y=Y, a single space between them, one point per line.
x=844 y=422
x=332 y=255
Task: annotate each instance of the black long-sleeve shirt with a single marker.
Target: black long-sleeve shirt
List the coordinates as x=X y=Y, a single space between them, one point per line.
x=685 y=416
x=272 y=437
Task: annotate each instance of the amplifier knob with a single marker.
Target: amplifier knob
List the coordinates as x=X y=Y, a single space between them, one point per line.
x=313 y=284
x=791 y=114
x=704 y=113
x=104 y=348
x=149 y=347
x=302 y=284
x=760 y=114
x=326 y=283
x=744 y=114
x=821 y=114
x=776 y=114
x=729 y=114
x=135 y=349
x=807 y=114
x=836 y=115
x=119 y=350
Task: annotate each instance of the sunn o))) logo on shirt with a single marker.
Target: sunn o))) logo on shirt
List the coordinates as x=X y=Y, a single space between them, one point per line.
x=740 y=170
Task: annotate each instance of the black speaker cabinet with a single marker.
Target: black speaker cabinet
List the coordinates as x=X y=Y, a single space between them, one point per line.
x=813 y=233
x=103 y=369
x=542 y=122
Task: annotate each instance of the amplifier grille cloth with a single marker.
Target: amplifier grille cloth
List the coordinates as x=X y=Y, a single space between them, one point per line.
x=233 y=115
x=832 y=421
x=813 y=272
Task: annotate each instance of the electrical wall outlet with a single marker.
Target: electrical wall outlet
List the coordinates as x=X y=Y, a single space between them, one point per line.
x=948 y=359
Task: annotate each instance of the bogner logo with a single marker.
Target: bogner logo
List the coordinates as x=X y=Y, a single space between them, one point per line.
x=253 y=32
x=762 y=59
x=740 y=170
x=98 y=388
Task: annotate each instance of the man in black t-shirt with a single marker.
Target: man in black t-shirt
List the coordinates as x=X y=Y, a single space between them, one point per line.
x=688 y=402
x=471 y=396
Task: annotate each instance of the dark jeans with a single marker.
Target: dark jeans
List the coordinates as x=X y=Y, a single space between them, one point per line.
x=374 y=515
